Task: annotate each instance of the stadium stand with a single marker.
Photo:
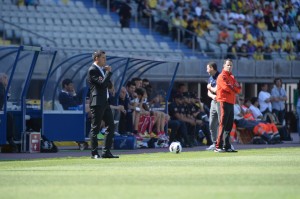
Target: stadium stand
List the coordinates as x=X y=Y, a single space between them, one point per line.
x=71 y=26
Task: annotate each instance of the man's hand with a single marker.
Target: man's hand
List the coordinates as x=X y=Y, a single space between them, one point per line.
x=107 y=68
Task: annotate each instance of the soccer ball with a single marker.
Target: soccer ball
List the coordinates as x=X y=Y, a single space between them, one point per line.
x=175 y=147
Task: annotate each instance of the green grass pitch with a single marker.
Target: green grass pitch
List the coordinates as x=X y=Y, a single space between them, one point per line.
x=258 y=173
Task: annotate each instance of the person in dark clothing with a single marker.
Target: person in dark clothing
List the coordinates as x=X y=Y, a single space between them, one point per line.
x=125 y=14
x=176 y=111
x=67 y=97
x=98 y=77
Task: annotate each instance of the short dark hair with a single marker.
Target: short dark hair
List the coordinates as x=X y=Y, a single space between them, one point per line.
x=145 y=80
x=136 y=79
x=253 y=100
x=213 y=65
x=130 y=83
x=66 y=82
x=98 y=53
x=276 y=79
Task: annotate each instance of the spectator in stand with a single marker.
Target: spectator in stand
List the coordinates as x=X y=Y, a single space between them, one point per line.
x=232 y=51
x=189 y=34
x=251 y=49
x=249 y=35
x=176 y=23
x=145 y=11
x=214 y=17
x=152 y=4
x=242 y=41
x=223 y=37
x=198 y=9
x=205 y=24
x=280 y=49
x=249 y=17
x=240 y=19
x=258 y=54
x=125 y=14
x=271 y=24
x=279 y=20
x=215 y=5
x=291 y=56
x=68 y=97
x=259 y=42
x=274 y=46
x=238 y=35
x=267 y=9
x=184 y=21
x=254 y=30
x=288 y=45
x=243 y=53
x=279 y=98
x=268 y=53
x=199 y=31
x=287 y=20
x=258 y=13
x=223 y=23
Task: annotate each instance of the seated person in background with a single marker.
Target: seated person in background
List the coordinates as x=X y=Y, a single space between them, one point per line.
x=176 y=111
x=253 y=106
x=239 y=113
x=244 y=119
x=124 y=101
x=67 y=97
x=198 y=113
x=116 y=108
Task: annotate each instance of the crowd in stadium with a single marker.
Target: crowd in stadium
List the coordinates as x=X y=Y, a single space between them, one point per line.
x=248 y=29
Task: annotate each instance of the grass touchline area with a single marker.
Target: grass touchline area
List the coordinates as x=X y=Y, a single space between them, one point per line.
x=258 y=173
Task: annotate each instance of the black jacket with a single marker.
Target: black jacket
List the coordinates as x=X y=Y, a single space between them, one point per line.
x=98 y=85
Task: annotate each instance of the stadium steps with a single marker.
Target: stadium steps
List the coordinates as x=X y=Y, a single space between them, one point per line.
x=144 y=30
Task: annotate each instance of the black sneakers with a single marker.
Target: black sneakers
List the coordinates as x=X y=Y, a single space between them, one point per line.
x=225 y=150
x=108 y=154
x=230 y=150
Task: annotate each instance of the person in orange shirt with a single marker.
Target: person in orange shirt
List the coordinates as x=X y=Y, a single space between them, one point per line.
x=227 y=88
